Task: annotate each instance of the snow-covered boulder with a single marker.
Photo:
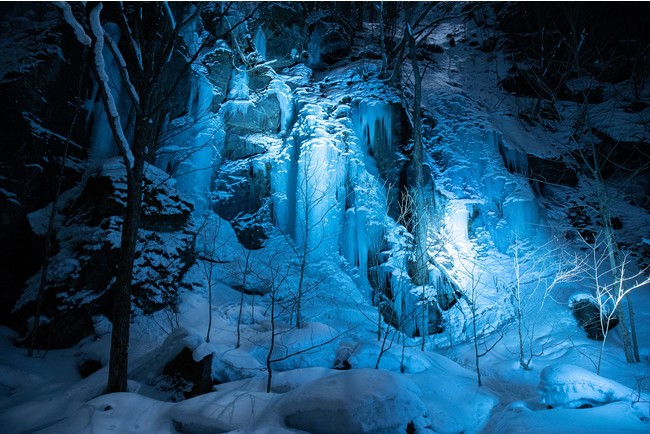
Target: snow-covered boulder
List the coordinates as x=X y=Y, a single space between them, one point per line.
x=355 y=401
x=83 y=264
x=570 y=386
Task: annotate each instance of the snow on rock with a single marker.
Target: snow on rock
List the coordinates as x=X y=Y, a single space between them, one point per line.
x=88 y=233
x=570 y=386
x=617 y=417
x=219 y=412
x=355 y=401
x=116 y=412
x=151 y=365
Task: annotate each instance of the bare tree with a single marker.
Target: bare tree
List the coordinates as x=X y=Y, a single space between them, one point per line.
x=245 y=272
x=151 y=35
x=314 y=207
x=275 y=279
x=209 y=229
x=572 y=57
x=536 y=272
x=612 y=285
x=473 y=272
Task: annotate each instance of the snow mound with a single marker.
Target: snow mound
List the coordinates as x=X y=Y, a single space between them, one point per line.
x=570 y=386
x=355 y=401
x=617 y=417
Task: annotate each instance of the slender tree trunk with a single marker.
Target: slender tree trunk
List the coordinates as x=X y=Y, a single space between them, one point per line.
x=269 y=356
x=522 y=358
x=425 y=322
x=605 y=329
x=207 y=334
x=612 y=250
x=635 y=343
x=421 y=275
x=303 y=265
x=616 y=275
x=477 y=356
x=241 y=300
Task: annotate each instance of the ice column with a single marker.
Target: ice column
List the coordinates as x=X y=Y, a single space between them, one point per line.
x=313 y=47
x=238 y=87
x=317 y=206
x=260 y=42
x=373 y=123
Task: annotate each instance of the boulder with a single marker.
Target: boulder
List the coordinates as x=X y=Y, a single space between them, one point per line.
x=83 y=263
x=219 y=66
x=246 y=186
x=190 y=377
x=248 y=117
x=587 y=312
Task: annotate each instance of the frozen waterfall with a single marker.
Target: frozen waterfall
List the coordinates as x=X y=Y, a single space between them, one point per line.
x=326 y=193
x=192 y=144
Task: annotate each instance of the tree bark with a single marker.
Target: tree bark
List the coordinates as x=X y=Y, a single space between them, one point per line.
x=118 y=364
x=421 y=275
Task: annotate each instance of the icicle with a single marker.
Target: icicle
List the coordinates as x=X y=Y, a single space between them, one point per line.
x=515 y=160
x=238 y=87
x=284 y=96
x=260 y=42
x=195 y=143
x=314 y=47
x=205 y=95
x=373 y=124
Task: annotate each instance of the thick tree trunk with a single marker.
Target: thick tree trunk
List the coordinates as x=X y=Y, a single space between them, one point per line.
x=118 y=365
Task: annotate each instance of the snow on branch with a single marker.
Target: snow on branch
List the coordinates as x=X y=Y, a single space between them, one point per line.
x=134 y=48
x=107 y=96
x=172 y=21
x=124 y=73
x=79 y=31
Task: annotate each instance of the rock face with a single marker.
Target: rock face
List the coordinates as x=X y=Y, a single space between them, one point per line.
x=40 y=74
x=85 y=256
x=587 y=313
x=191 y=377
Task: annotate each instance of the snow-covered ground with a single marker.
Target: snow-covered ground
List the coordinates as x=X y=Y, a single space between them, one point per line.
x=393 y=386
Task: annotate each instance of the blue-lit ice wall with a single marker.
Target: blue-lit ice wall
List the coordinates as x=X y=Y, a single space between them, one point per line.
x=326 y=191
x=192 y=144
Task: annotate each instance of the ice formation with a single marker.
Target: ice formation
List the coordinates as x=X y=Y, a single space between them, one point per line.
x=191 y=150
x=260 y=42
